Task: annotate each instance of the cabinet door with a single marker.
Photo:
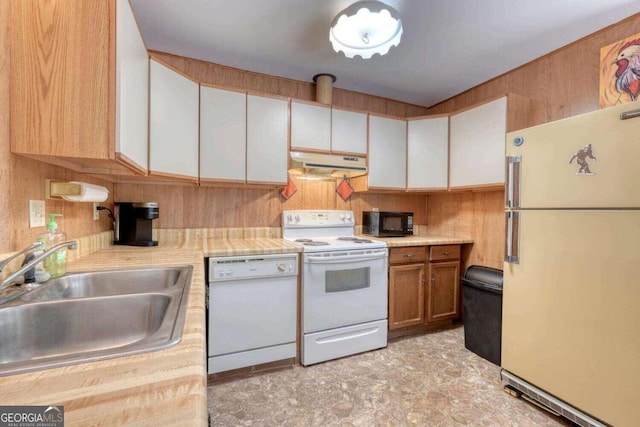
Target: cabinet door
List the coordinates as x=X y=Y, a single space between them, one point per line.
x=442 y=294
x=348 y=132
x=477 y=145
x=267 y=129
x=428 y=153
x=173 y=127
x=223 y=134
x=406 y=295
x=310 y=127
x=60 y=74
x=387 y=153
x=132 y=90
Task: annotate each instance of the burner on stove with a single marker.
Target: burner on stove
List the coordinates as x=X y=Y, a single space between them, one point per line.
x=303 y=240
x=315 y=243
x=355 y=239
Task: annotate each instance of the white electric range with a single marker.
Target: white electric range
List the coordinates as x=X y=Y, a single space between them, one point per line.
x=344 y=284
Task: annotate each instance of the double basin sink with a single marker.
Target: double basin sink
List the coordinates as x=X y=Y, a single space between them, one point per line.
x=84 y=317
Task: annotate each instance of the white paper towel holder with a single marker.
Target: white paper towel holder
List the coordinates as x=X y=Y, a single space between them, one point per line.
x=73 y=191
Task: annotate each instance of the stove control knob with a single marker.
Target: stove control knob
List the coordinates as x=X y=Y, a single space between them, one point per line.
x=289 y=218
x=342 y=217
x=220 y=273
x=282 y=267
x=229 y=273
x=349 y=217
x=297 y=218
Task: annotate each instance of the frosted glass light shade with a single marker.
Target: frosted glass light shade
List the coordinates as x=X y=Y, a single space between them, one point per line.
x=365 y=28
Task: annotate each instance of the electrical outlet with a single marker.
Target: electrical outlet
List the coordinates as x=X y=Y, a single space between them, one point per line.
x=36 y=213
x=96 y=212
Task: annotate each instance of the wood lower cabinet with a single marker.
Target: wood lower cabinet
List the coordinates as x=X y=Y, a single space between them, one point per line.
x=406 y=286
x=424 y=288
x=406 y=295
x=443 y=288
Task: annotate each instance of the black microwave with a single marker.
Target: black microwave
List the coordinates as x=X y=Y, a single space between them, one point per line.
x=387 y=224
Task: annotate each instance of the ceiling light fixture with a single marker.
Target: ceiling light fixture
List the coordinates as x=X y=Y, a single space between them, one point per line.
x=365 y=28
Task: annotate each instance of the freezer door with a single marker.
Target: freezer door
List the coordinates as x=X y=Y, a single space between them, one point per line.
x=587 y=161
x=571 y=310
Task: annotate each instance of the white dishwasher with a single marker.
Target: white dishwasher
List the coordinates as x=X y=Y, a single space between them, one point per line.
x=252 y=310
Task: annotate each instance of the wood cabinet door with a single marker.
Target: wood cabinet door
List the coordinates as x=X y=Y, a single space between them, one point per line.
x=132 y=91
x=60 y=72
x=406 y=295
x=223 y=135
x=477 y=142
x=267 y=139
x=173 y=126
x=387 y=153
x=310 y=127
x=428 y=153
x=443 y=290
x=348 y=132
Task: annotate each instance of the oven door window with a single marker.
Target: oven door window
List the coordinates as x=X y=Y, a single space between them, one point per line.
x=347 y=280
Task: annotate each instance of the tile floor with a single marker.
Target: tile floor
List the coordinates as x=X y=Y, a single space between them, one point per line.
x=429 y=380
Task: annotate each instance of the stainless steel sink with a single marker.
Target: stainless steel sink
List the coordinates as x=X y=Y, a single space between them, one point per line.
x=105 y=283
x=118 y=318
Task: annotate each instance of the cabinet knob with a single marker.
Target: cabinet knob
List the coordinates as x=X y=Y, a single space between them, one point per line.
x=433 y=279
x=445 y=253
x=408 y=255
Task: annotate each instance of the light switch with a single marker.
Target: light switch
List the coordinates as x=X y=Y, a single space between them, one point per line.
x=36 y=213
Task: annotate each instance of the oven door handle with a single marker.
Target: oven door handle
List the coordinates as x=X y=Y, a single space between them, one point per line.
x=321 y=259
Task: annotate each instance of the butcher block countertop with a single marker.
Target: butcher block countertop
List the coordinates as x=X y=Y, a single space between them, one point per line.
x=161 y=388
x=422 y=240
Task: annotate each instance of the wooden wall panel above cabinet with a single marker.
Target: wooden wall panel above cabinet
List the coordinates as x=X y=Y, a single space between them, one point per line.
x=65 y=66
x=173 y=124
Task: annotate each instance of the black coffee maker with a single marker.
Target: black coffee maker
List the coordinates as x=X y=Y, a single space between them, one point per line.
x=133 y=223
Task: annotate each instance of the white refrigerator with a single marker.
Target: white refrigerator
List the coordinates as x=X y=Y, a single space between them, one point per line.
x=571 y=302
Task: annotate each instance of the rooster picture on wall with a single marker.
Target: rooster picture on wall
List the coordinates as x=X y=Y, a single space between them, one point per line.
x=620 y=72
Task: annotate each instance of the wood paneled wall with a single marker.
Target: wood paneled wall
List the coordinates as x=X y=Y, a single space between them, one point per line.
x=561 y=84
x=211 y=207
x=22 y=179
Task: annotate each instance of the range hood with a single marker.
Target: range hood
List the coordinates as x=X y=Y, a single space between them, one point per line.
x=326 y=166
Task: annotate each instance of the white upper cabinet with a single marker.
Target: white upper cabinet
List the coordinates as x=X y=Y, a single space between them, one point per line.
x=173 y=125
x=477 y=145
x=387 y=153
x=223 y=134
x=427 y=153
x=267 y=139
x=348 y=132
x=132 y=90
x=310 y=127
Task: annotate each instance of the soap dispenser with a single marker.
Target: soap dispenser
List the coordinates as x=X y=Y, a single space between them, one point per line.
x=56 y=264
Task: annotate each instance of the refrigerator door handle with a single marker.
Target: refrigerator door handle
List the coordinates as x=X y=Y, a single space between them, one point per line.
x=629 y=114
x=512 y=244
x=513 y=181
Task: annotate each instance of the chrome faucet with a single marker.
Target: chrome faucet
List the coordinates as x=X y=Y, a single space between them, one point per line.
x=31 y=247
x=72 y=244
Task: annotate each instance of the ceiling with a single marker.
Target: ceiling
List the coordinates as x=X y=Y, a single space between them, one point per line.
x=447 y=47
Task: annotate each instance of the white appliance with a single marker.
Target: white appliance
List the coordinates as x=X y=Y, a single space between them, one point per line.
x=344 y=285
x=571 y=307
x=252 y=310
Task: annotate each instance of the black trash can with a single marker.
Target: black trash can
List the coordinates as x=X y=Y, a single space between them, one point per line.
x=482 y=316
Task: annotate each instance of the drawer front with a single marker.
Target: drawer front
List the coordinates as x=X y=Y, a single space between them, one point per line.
x=408 y=254
x=444 y=252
